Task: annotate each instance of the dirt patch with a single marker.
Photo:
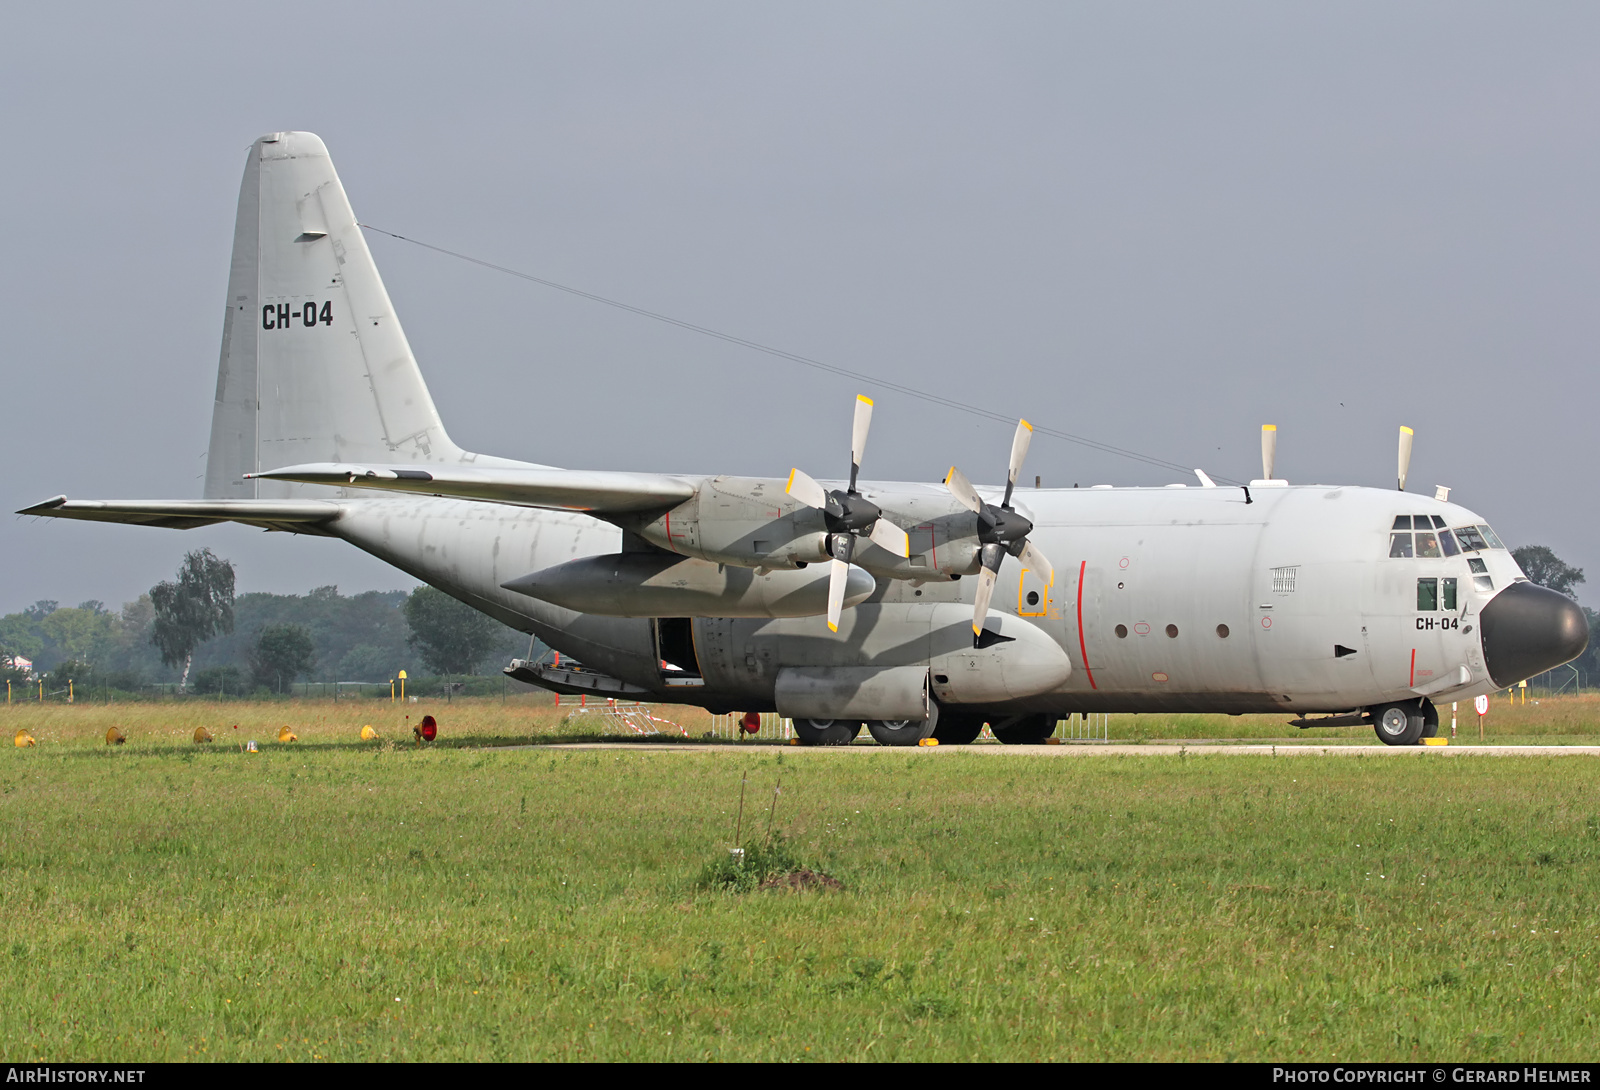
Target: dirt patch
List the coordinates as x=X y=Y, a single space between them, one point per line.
x=802 y=879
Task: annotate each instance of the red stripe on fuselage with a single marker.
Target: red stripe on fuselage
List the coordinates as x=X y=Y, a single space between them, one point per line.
x=1083 y=647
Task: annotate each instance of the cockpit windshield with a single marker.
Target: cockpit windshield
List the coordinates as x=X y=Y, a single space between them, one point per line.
x=1426 y=537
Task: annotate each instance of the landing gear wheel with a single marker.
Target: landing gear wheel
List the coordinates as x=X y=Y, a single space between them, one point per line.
x=826 y=732
x=903 y=732
x=1025 y=730
x=958 y=730
x=1430 y=720
x=1398 y=724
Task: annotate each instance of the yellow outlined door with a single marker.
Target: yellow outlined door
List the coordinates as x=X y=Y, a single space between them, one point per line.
x=1032 y=583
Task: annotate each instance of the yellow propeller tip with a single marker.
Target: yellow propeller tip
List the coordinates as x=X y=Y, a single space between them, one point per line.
x=1269 y=427
x=864 y=397
x=832 y=627
x=1027 y=425
x=1407 y=430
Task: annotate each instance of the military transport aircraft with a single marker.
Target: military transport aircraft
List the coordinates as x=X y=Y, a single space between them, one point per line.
x=916 y=610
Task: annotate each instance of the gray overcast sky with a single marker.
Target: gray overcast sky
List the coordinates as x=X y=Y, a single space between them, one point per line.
x=1158 y=226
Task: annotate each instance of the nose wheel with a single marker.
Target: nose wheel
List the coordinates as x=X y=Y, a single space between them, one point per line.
x=1405 y=724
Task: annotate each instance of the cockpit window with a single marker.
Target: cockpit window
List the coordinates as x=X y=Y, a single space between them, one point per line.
x=1471 y=540
x=1402 y=522
x=1488 y=535
x=1438 y=522
x=1447 y=542
x=1427 y=544
x=1400 y=546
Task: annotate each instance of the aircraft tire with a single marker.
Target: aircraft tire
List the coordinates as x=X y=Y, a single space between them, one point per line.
x=1025 y=730
x=826 y=732
x=903 y=732
x=1398 y=724
x=1430 y=720
x=958 y=730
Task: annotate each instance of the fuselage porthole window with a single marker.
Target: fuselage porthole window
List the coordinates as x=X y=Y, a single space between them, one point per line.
x=1122 y=631
x=1222 y=631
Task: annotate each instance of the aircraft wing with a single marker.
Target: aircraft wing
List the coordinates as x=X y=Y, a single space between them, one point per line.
x=295 y=516
x=598 y=492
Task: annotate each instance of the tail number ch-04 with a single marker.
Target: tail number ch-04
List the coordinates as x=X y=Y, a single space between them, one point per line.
x=283 y=315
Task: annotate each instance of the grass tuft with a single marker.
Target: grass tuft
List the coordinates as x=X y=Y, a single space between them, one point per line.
x=770 y=863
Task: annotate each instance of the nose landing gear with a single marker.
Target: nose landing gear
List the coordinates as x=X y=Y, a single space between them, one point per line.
x=1406 y=723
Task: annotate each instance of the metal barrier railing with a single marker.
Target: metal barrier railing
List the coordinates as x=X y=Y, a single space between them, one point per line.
x=1087 y=727
x=625 y=717
x=770 y=727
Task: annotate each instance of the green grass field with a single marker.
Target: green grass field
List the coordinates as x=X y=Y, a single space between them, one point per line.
x=332 y=899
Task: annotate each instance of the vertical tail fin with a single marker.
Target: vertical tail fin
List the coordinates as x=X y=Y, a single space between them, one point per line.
x=315 y=366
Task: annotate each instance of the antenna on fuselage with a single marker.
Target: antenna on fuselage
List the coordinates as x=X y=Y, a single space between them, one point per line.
x=1405 y=454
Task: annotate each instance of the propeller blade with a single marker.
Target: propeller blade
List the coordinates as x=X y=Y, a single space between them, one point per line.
x=858 y=436
x=807 y=491
x=1035 y=561
x=1405 y=454
x=1019 y=451
x=1269 y=449
x=838 y=576
x=961 y=488
x=886 y=535
x=980 y=600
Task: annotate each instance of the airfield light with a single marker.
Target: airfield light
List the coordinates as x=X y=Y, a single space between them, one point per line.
x=368 y=734
x=201 y=735
x=23 y=738
x=427 y=730
x=287 y=735
x=402 y=676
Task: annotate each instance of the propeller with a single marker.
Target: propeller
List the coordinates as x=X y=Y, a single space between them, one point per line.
x=1001 y=530
x=1405 y=454
x=1269 y=449
x=847 y=515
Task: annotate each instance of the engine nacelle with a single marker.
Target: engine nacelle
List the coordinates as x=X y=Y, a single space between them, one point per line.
x=753 y=522
x=653 y=584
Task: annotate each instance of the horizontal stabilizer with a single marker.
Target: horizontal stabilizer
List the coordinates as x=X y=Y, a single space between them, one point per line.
x=596 y=491
x=295 y=516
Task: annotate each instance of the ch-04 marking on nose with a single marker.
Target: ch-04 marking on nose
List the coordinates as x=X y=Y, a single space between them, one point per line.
x=1428 y=624
x=282 y=315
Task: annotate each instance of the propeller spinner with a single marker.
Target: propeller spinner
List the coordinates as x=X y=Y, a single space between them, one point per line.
x=847 y=515
x=1001 y=530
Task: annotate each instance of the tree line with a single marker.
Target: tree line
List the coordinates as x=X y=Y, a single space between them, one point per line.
x=195 y=632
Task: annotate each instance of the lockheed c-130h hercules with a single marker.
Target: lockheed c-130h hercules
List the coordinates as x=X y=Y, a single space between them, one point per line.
x=916 y=610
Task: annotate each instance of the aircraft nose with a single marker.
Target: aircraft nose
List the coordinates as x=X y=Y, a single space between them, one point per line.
x=1527 y=630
